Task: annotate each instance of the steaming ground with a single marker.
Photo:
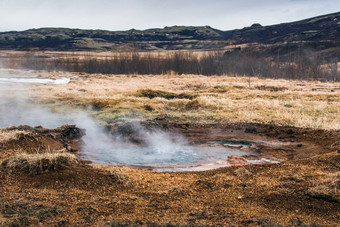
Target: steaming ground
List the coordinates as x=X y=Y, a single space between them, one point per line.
x=158 y=148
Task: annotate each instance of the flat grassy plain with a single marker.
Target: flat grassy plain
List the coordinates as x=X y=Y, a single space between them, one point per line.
x=212 y=99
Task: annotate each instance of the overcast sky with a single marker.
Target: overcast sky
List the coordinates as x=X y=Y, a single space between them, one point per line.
x=143 y=14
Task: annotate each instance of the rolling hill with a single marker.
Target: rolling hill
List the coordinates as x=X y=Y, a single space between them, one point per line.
x=320 y=33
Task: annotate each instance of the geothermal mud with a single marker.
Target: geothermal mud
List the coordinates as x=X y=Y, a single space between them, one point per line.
x=177 y=147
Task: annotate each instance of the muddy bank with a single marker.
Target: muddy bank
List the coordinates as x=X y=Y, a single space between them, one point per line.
x=27 y=139
x=255 y=141
x=261 y=143
x=301 y=191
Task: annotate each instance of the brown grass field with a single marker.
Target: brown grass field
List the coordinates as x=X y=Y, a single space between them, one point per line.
x=301 y=191
x=220 y=99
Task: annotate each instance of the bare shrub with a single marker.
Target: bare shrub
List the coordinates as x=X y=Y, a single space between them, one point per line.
x=35 y=164
x=240 y=172
x=247 y=62
x=324 y=192
x=118 y=175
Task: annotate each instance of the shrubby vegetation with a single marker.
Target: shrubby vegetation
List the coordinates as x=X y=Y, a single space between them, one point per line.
x=164 y=94
x=295 y=65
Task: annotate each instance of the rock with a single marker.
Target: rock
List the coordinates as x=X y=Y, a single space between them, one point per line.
x=290 y=131
x=250 y=130
x=71 y=132
x=228 y=185
x=237 y=160
x=286 y=184
x=68 y=147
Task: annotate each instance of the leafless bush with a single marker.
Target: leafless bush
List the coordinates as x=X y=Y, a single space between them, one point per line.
x=240 y=172
x=118 y=175
x=247 y=63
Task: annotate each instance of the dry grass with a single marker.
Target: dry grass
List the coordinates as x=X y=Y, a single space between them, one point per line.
x=326 y=187
x=149 y=93
x=240 y=172
x=118 y=175
x=324 y=192
x=35 y=164
x=7 y=135
x=310 y=104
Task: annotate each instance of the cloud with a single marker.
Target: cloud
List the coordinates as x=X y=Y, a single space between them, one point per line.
x=143 y=14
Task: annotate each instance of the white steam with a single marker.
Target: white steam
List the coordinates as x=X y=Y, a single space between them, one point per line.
x=35 y=80
x=157 y=148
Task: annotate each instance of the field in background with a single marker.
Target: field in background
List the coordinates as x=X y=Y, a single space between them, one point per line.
x=199 y=99
x=217 y=98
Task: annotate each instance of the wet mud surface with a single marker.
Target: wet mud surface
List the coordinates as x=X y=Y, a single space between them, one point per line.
x=239 y=144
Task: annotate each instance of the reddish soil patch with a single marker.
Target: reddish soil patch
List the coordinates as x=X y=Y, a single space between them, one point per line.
x=254 y=195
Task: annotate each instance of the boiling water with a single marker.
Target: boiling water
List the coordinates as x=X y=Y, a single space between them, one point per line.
x=165 y=155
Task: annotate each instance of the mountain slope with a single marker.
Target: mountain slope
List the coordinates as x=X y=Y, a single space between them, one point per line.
x=321 y=32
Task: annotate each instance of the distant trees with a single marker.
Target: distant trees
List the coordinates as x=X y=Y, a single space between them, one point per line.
x=297 y=65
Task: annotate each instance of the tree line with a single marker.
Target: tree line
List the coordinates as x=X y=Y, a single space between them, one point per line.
x=242 y=63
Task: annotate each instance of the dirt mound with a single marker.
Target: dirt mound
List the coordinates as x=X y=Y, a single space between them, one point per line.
x=41 y=140
x=35 y=164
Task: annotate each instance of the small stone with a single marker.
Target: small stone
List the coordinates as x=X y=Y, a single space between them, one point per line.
x=250 y=130
x=290 y=131
x=237 y=160
x=244 y=185
x=286 y=183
